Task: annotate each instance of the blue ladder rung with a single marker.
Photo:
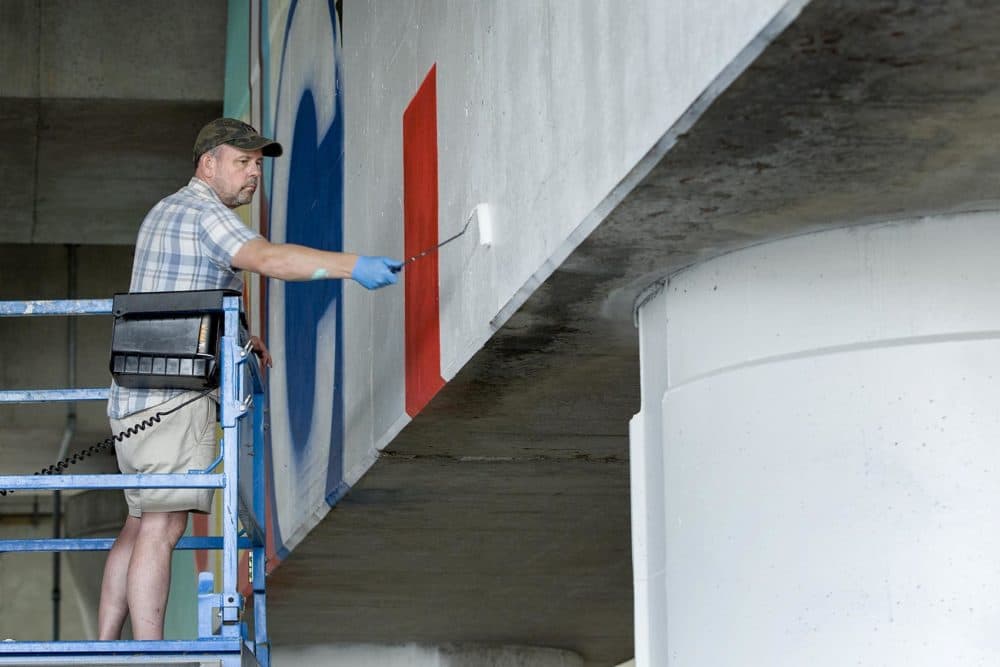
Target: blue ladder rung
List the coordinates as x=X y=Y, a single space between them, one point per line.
x=109 y=481
x=240 y=386
x=56 y=307
x=104 y=544
x=121 y=652
x=44 y=395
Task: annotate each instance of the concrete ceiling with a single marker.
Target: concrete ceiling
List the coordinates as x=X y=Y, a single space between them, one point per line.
x=501 y=513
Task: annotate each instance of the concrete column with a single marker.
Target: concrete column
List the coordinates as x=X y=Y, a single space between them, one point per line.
x=829 y=431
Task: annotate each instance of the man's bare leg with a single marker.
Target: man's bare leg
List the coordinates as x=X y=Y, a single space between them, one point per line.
x=149 y=571
x=113 y=608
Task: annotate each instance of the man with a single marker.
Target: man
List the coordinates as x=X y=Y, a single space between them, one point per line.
x=192 y=240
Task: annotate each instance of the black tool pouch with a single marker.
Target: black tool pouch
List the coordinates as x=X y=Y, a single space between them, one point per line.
x=168 y=340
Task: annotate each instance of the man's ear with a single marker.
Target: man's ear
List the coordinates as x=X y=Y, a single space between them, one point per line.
x=208 y=164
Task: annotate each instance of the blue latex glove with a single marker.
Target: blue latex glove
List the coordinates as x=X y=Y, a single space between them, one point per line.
x=375 y=272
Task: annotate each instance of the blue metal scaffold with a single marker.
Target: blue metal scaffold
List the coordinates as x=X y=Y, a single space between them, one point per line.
x=226 y=636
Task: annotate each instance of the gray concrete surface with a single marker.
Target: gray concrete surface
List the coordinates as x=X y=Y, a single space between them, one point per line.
x=93 y=49
x=860 y=111
x=99 y=102
x=35 y=351
x=413 y=655
x=500 y=515
x=26 y=586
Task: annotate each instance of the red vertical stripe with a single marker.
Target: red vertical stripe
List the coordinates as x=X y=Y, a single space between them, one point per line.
x=420 y=231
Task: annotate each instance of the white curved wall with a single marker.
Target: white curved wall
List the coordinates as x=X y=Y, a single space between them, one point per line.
x=816 y=464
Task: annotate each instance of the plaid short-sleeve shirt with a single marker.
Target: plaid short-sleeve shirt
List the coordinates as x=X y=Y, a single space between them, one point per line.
x=186 y=242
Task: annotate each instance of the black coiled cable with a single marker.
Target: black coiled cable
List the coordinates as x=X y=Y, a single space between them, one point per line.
x=78 y=456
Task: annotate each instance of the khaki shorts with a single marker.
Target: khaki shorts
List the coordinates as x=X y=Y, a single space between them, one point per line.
x=182 y=441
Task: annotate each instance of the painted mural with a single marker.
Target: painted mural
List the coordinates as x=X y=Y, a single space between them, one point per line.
x=283 y=75
x=305 y=320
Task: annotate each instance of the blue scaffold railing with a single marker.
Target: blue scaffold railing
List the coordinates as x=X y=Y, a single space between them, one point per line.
x=227 y=634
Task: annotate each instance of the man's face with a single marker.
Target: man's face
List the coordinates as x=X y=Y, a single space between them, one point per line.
x=234 y=174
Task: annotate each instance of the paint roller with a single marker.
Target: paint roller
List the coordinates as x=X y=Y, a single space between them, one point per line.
x=483 y=218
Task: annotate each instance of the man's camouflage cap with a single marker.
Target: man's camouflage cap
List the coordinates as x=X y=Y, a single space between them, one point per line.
x=235 y=133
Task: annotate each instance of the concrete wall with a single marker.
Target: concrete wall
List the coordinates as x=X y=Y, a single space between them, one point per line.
x=97 y=127
x=413 y=655
x=26 y=582
x=34 y=355
x=540 y=110
x=60 y=49
x=825 y=410
x=35 y=350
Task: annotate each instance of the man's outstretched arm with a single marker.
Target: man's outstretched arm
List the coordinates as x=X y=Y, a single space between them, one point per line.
x=288 y=261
